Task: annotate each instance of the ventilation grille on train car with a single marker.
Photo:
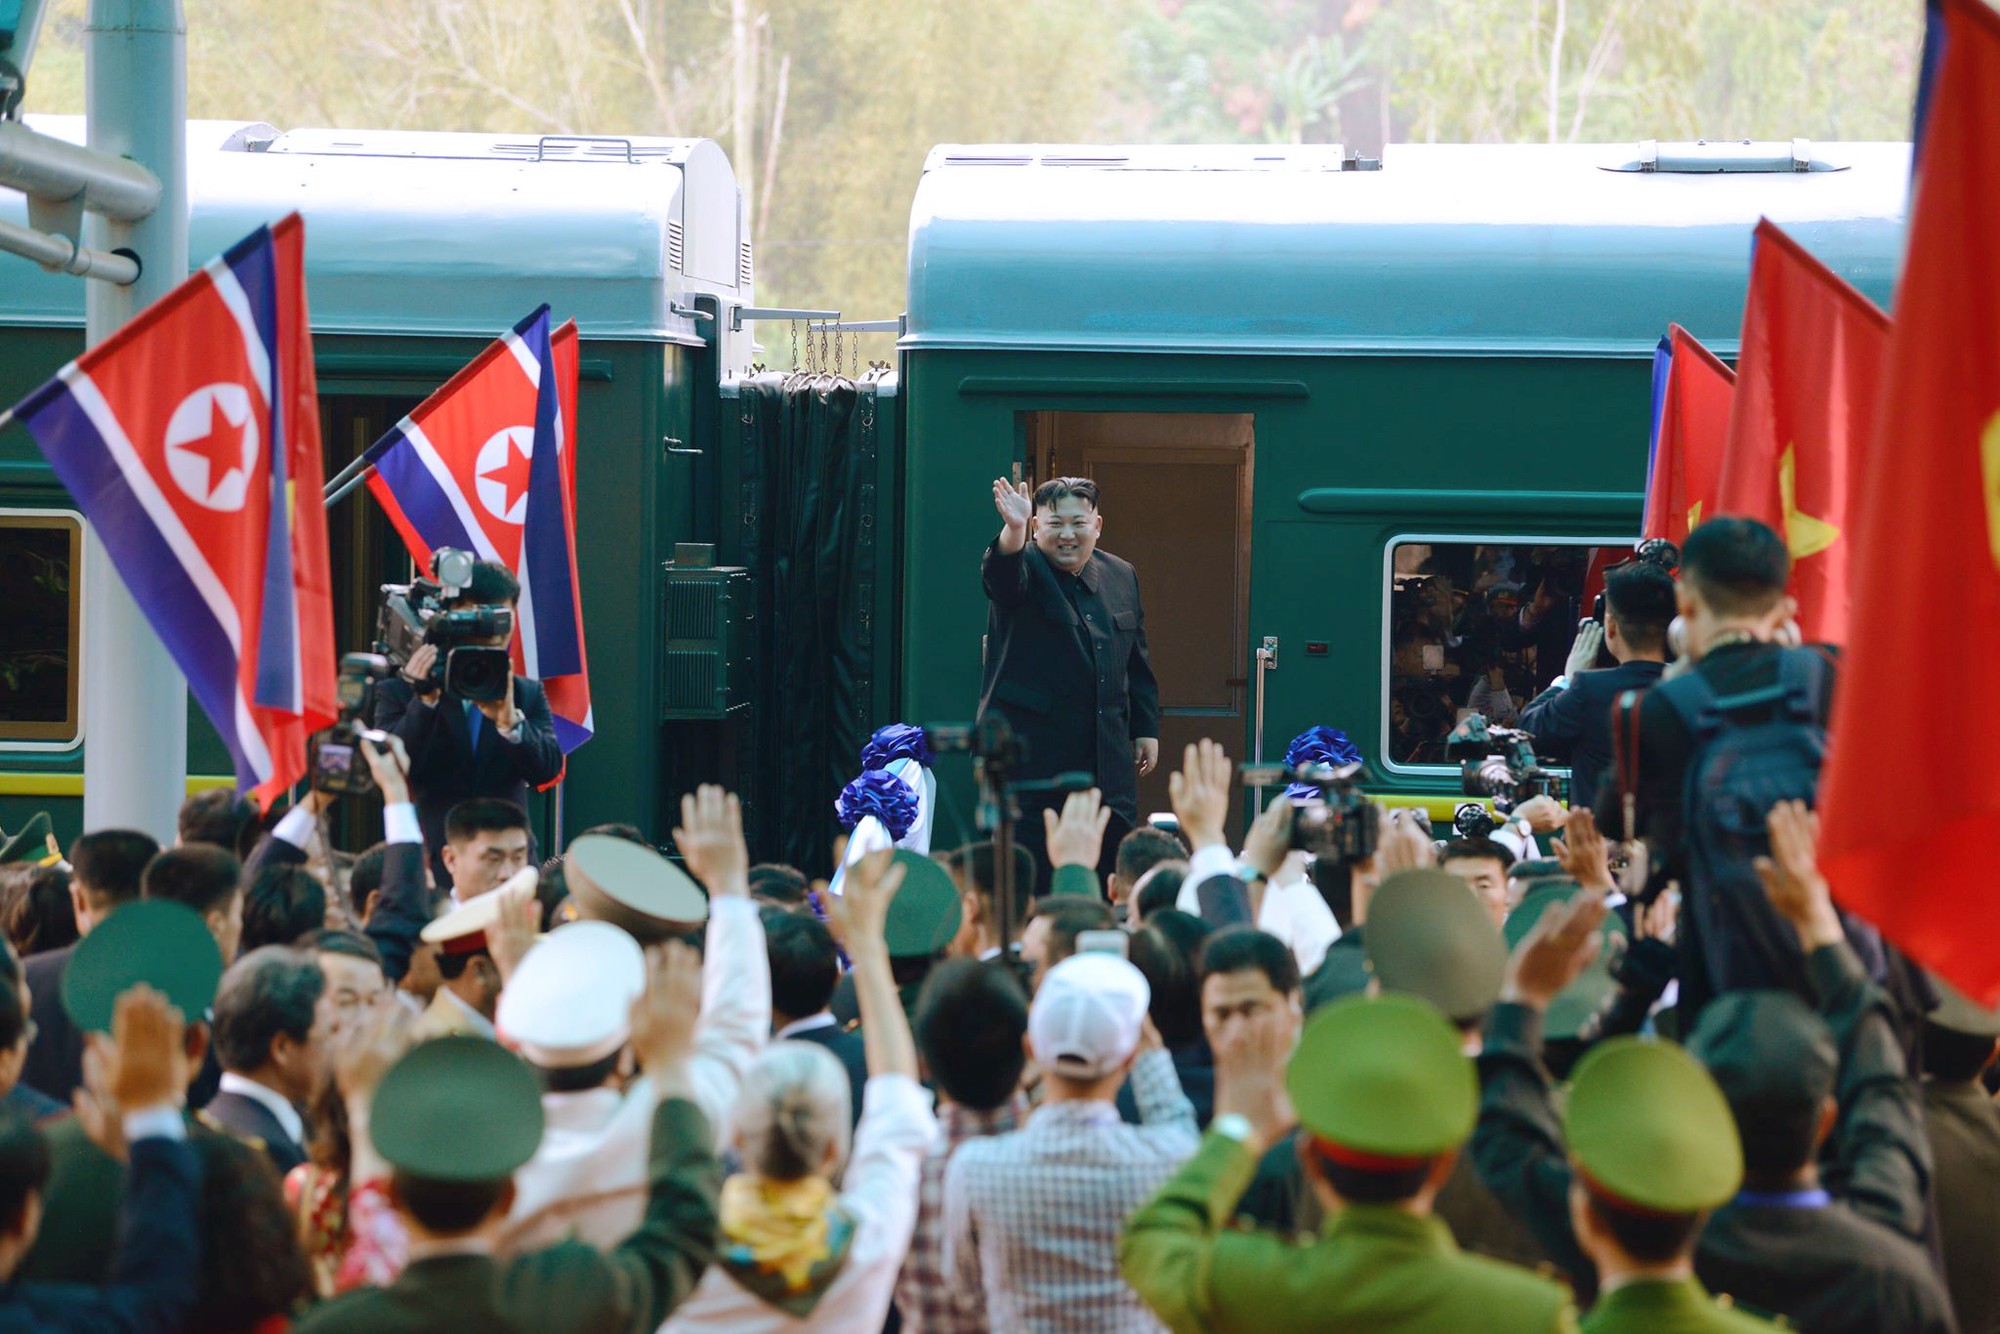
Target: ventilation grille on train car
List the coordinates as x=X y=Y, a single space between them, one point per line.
x=709 y=622
x=688 y=679
x=693 y=611
x=676 y=247
x=744 y=271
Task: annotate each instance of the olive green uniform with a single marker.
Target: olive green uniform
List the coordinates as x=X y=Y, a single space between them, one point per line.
x=1964 y=1125
x=1373 y=1268
x=1667 y=1307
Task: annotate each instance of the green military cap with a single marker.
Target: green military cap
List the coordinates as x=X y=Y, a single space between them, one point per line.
x=629 y=885
x=1955 y=1013
x=1586 y=996
x=1430 y=936
x=439 y=1088
x=1383 y=1076
x=1766 y=1049
x=164 y=944
x=1651 y=1129
x=1534 y=870
x=924 y=915
x=30 y=843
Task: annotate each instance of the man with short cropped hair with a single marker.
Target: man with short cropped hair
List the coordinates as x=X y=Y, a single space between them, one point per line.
x=106 y=868
x=1571 y=720
x=1056 y=921
x=1482 y=864
x=485 y=844
x=805 y=969
x=220 y=817
x=1139 y=852
x=271 y=1039
x=206 y=879
x=280 y=905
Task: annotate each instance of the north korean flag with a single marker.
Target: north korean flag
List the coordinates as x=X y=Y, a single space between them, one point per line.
x=1691 y=429
x=484 y=465
x=186 y=438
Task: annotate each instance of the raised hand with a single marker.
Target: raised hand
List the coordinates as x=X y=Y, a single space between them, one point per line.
x=1555 y=953
x=1270 y=838
x=710 y=837
x=1077 y=838
x=663 y=1016
x=1016 y=504
x=1405 y=846
x=1792 y=878
x=1200 y=793
x=1584 y=854
x=389 y=762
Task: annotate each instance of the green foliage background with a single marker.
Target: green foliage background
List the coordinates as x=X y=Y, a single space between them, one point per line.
x=870 y=85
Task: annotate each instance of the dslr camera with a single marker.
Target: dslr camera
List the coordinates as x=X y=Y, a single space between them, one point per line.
x=414 y=614
x=1500 y=762
x=336 y=763
x=1336 y=827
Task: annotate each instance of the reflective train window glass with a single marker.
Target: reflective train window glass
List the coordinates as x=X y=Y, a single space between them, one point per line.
x=1480 y=627
x=41 y=555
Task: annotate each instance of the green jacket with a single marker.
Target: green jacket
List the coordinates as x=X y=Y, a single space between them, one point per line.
x=1682 y=1307
x=570 y=1285
x=1372 y=1268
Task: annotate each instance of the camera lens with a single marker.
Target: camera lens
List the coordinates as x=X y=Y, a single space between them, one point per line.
x=478 y=673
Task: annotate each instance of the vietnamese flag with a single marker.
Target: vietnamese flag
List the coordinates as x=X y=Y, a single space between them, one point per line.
x=1909 y=849
x=1806 y=389
x=1693 y=429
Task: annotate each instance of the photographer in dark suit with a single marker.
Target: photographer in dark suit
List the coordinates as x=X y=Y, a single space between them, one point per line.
x=461 y=748
x=1571 y=720
x=1066 y=656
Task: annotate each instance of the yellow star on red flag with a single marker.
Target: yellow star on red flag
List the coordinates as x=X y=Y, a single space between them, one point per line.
x=1804 y=534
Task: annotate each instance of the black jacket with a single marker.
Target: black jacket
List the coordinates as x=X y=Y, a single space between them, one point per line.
x=402 y=904
x=1078 y=690
x=851 y=1051
x=1574 y=724
x=253 y=1122
x=445 y=769
x=55 y=1058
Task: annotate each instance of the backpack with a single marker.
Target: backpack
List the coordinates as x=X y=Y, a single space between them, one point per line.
x=1752 y=750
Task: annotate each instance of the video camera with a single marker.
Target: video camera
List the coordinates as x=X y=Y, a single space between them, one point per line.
x=1653 y=551
x=1499 y=762
x=336 y=763
x=1338 y=825
x=415 y=614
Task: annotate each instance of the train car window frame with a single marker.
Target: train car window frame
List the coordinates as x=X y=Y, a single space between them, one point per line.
x=67 y=735
x=1441 y=769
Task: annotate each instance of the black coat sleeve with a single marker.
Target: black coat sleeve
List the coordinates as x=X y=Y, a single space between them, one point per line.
x=1142 y=688
x=400 y=710
x=1517 y=1145
x=401 y=910
x=1004 y=577
x=537 y=757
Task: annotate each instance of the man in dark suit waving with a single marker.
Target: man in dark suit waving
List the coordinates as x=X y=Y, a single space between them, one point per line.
x=1066 y=656
x=461 y=748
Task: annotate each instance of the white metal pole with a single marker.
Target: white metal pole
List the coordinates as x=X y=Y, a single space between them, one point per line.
x=134 y=699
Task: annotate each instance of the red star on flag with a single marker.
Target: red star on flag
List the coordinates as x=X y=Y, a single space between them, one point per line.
x=513 y=474
x=221 y=448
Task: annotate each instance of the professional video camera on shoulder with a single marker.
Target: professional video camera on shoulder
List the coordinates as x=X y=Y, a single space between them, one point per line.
x=1652 y=551
x=1500 y=762
x=336 y=763
x=1337 y=826
x=471 y=641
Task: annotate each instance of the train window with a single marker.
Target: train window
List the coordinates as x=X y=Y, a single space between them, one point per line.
x=41 y=556
x=1479 y=627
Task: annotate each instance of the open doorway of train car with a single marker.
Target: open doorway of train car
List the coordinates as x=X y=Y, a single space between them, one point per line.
x=1176 y=504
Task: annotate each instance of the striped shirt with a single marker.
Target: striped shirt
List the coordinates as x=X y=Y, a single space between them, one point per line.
x=930 y=1303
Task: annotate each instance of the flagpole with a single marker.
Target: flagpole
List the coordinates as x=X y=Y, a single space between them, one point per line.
x=347 y=487
x=134 y=697
x=340 y=479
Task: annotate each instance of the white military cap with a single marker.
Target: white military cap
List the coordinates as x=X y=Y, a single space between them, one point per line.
x=569 y=1002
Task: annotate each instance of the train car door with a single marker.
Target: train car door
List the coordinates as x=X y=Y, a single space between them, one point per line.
x=1176 y=504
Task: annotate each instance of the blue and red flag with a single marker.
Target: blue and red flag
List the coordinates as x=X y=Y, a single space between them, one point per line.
x=185 y=439
x=1692 y=396
x=485 y=464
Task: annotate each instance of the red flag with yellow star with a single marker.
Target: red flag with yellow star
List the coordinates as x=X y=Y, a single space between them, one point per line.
x=1694 y=429
x=1909 y=848
x=1807 y=380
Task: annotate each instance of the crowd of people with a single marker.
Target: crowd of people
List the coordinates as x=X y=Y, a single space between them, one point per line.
x=1544 y=1079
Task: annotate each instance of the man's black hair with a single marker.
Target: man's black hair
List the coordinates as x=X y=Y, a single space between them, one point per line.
x=482 y=815
x=24 y=1168
x=1368 y=1185
x=1241 y=948
x=267 y=992
x=1652 y=1239
x=364 y=877
x=1739 y=566
x=493 y=585
x=1778 y=1139
x=974 y=862
x=451 y=967
x=252 y=1267
x=1156 y=950
x=577 y=1078
x=1143 y=849
x=448 y=1207
x=39 y=913
x=1163 y=891
x=200 y=876
x=779 y=883
x=631 y=833
x=339 y=940
x=1477 y=849
x=109 y=865
x=970 y=1018
x=1068 y=916
x=1058 y=489
x=1948 y=1055
x=220 y=817
x=280 y=905
x=13 y=1014
x=805 y=964
x=1641 y=596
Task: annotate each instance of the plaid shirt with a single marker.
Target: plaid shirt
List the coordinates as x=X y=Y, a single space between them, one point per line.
x=1034 y=1217
x=929 y=1302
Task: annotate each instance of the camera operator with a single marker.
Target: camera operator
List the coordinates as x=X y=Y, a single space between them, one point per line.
x=462 y=748
x=1572 y=719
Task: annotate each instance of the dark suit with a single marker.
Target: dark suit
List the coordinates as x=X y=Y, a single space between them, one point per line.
x=157 y=1278
x=1066 y=665
x=1574 y=724
x=850 y=1050
x=445 y=765
x=55 y=1058
x=571 y=1285
x=402 y=904
x=253 y=1122
x=1964 y=1126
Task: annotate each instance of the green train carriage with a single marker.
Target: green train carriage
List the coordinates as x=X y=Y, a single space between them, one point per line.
x=1282 y=369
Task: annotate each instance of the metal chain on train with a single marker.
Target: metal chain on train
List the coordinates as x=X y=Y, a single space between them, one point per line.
x=822 y=345
x=795 y=344
x=839 y=355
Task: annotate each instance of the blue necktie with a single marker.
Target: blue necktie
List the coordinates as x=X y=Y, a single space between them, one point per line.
x=474 y=719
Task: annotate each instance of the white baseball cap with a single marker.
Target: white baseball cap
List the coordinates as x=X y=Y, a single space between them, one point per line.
x=1087 y=1014
x=569 y=1002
